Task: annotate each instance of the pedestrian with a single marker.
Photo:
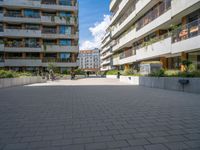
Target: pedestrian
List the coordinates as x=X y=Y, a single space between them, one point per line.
x=118 y=74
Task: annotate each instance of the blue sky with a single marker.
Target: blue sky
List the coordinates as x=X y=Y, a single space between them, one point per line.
x=91 y=13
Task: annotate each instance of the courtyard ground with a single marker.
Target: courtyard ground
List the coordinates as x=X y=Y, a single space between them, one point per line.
x=97 y=114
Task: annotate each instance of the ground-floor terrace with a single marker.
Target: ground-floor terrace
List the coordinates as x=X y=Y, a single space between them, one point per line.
x=97 y=114
x=170 y=62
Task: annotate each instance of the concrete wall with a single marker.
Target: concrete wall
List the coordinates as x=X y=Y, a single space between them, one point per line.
x=168 y=83
x=10 y=82
x=111 y=76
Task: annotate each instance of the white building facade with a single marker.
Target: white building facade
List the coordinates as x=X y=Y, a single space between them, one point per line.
x=166 y=31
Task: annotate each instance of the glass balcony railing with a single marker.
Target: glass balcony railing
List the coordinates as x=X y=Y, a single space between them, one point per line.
x=186 y=31
x=49 y=31
x=22 y=44
x=152 y=41
x=127 y=53
x=59 y=60
x=11 y=14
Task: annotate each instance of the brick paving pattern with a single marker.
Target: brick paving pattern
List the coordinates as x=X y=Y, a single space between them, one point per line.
x=92 y=117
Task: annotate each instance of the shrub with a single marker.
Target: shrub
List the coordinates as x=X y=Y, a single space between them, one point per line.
x=79 y=72
x=6 y=74
x=112 y=72
x=14 y=74
x=159 y=73
x=172 y=73
x=66 y=72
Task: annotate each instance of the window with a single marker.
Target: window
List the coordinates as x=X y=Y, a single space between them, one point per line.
x=65 y=42
x=31 y=13
x=65 y=55
x=65 y=14
x=65 y=2
x=65 y=29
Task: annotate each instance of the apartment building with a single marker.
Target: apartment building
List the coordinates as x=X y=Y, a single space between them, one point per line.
x=36 y=33
x=89 y=60
x=163 y=31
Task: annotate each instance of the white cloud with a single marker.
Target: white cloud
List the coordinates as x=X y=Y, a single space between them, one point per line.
x=97 y=31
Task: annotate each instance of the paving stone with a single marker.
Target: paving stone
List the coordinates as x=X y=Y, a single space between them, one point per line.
x=136 y=142
x=155 y=147
x=96 y=146
x=176 y=146
x=66 y=116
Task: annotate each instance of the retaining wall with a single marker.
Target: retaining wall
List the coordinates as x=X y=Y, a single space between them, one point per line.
x=10 y=82
x=169 y=83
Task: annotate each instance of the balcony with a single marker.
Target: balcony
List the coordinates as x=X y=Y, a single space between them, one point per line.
x=22 y=47
x=106 y=55
x=183 y=5
x=127 y=60
x=53 y=33
x=141 y=4
x=22 y=3
x=22 y=62
x=106 y=62
x=159 y=47
x=54 y=6
x=154 y=25
x=113 y=4
x=22 y=33
x=125 y=40
x=186 y=38
x=106 y=68
x=17 y=17
x=124 y=24
x=120 y=11
x=60 y=48
x=57 y=62
x=58 y=20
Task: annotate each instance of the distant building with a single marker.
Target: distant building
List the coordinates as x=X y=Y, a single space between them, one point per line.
x=89 y=60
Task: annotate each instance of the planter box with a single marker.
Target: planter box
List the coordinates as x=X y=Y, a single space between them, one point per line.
x=111 y=76
x=10 y=82
x=169 y=83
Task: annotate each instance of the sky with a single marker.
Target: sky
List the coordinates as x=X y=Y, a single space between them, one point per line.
x=93 y=20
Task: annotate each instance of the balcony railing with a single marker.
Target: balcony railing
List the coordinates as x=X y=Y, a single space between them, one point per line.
x=186 y=31
x=22 y=44
x=20 y=15
x=127 y=53
x=49 y=31
x=67 y=60
x=152 y=41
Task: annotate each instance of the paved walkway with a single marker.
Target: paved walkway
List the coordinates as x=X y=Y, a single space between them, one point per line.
x=58 y=116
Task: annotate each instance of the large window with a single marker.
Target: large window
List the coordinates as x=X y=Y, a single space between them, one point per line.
x=65 y=14
x=194 y=57
x=65 y=29
x=65 y=2
x=31 y=13
x=65 y=42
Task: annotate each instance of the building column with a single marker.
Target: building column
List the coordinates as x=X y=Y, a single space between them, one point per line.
x=126 y=67
x=163 y=61
x=184 y=56
x=41 y=56
x=23 y=55
x=73 y=57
